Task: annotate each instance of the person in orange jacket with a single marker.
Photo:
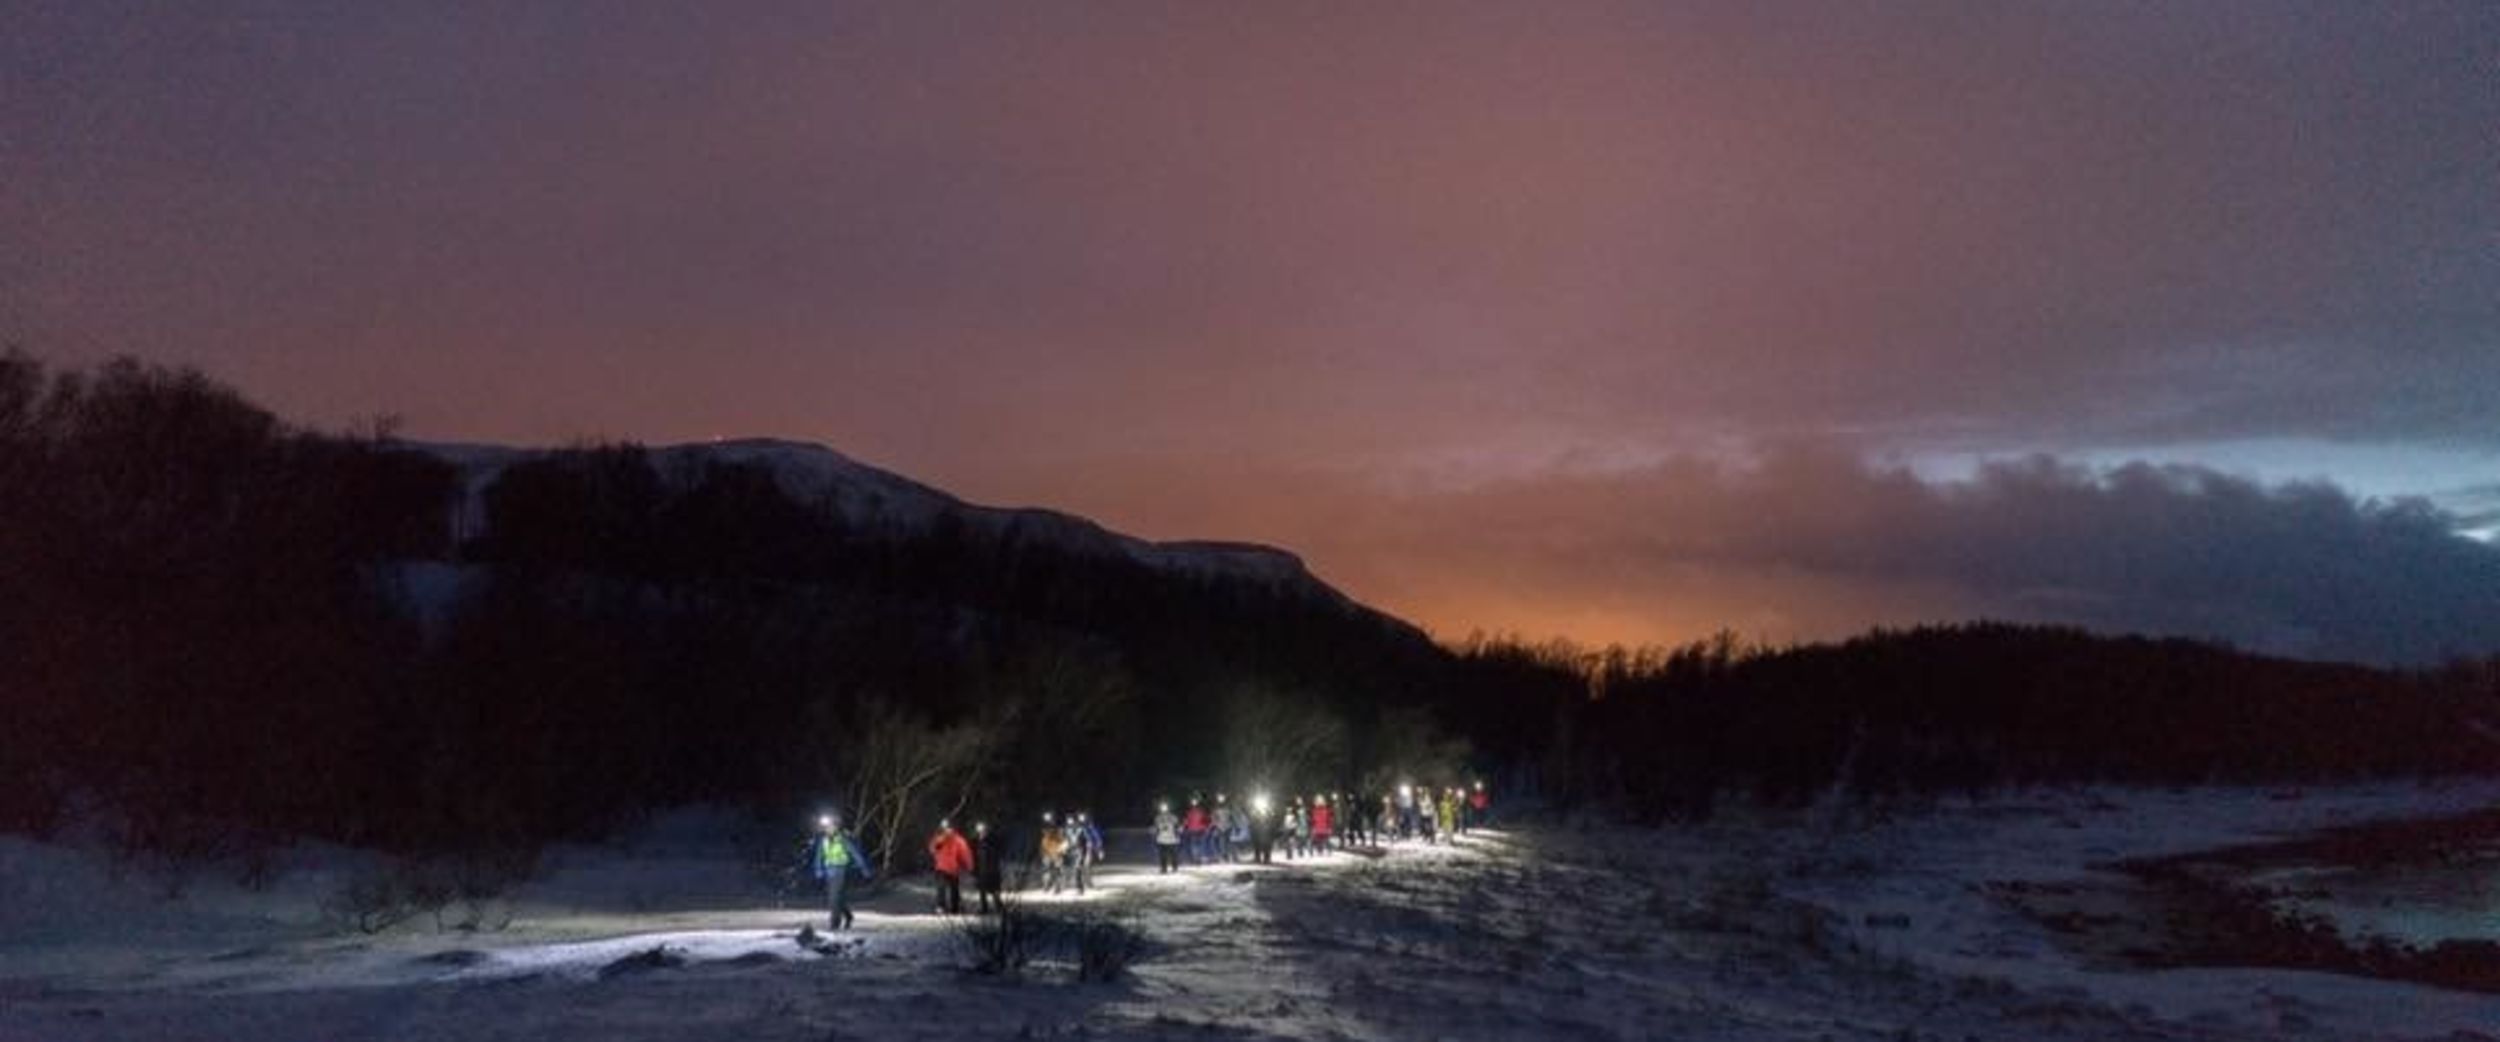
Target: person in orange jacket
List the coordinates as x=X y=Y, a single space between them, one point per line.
x=952 y=857
x=1323 y=823
x=1053 y=851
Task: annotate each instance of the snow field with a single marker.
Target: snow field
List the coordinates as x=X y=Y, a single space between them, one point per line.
x=1824 y=925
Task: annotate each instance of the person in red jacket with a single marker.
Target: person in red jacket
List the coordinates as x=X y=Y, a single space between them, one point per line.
x=1194 y=825
x=952 y=857
x=1479 y=807
x=1323 y=823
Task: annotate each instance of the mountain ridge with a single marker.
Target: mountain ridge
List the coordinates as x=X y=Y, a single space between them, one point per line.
x=883 y=502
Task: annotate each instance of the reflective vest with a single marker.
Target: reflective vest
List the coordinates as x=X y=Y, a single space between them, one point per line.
x=834 y=852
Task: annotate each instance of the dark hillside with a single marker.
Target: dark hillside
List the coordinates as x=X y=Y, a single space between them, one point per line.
x=225 y=628
x=1979 y=706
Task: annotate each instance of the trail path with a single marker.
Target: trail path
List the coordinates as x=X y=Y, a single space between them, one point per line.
x=1736 y=931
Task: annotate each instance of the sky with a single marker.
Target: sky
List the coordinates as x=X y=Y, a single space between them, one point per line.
x=1622 y=322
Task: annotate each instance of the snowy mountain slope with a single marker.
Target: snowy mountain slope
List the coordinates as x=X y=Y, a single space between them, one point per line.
x=872 y=499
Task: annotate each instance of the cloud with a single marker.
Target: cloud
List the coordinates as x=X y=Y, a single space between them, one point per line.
x=2476 y=508
x=1812 y=543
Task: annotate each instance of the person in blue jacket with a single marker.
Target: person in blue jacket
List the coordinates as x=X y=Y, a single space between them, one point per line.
x=1089 y=849
x=835 y=856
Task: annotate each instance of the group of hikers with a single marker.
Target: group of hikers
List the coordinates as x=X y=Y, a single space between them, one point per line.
x=1207 y=832
x=1222 y=832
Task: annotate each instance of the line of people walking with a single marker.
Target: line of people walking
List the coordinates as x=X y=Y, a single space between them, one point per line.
x=1222 y=831
x=1066 y=851
x=1068 y=848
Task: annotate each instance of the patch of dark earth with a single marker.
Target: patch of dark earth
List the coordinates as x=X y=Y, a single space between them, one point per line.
x=2208 y=908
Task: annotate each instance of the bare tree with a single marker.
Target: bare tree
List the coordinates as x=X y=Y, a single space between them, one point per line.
x=1411 y=746
x=901 y=769
x=1055 y=698
x=1274 y=739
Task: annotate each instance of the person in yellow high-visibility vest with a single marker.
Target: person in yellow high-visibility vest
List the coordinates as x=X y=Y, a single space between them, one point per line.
x=837 y=857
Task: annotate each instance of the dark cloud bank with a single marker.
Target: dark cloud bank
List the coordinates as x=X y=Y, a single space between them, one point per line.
x=1814 y=543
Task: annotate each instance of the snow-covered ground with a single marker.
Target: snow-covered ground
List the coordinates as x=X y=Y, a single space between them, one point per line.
x=1807 y=926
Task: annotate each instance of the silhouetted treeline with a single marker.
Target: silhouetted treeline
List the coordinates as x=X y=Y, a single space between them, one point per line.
x=225 y=628
x=1665 y=733
x=187 y=620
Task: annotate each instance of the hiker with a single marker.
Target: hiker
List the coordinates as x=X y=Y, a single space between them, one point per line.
x=1292 y=832
x=1323 y=823
x=1194 y=831
x=836 y=857
x=1449 y=814
x=1167 y=840
x=951 y=857
x=1480 y=807
x=1262 y=832
x=1086 y=849
x=988 y=875
x=1427 y=817
x=1237 y=834
x=1220 y=830
x=1052 y=854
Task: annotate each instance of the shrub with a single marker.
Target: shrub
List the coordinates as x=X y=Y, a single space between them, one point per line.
x=1105 y=946
x=462 y=892
x=372 y=900
x=1002 y=945
x=476 y=883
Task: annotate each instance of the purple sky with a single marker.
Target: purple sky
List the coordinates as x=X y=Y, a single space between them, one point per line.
x=1620 y=321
